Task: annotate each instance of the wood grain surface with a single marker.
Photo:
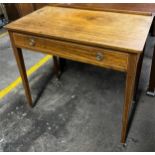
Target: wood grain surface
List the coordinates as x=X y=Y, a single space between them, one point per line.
x=124 y=32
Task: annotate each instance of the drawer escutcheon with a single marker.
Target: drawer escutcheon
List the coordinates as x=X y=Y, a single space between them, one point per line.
x=32 y=42
x=99 y=56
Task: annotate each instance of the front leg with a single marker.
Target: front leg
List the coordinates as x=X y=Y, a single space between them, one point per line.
x=21 y=66
x=129 y=92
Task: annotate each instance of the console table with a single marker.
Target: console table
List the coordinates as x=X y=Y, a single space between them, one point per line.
x=106 y=39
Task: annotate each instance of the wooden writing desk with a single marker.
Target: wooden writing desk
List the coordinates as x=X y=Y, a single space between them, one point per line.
x=106 y=39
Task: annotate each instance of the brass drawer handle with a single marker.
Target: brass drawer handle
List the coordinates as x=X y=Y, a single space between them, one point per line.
x=32 y=42
x=99 y=56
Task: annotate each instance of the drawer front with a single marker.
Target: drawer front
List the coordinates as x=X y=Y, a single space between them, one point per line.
x=87 y=54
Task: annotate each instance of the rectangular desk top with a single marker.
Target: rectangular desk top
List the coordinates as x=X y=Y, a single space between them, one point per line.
x=119 y=31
